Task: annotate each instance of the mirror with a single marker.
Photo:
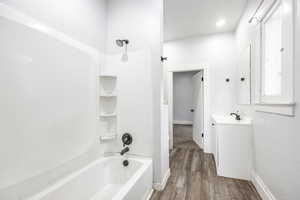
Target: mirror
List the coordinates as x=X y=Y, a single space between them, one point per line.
x=244 y=77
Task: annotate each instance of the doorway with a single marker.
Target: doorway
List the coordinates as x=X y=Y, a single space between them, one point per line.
x=188 y=95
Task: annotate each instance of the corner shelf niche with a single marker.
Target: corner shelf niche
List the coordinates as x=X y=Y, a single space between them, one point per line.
x=108 y=84
x=108 y=128
x=108 y=107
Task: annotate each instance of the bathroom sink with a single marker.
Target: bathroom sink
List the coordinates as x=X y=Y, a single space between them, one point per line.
x=223 y=119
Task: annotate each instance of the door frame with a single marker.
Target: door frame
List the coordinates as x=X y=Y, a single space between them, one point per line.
x=206 y=100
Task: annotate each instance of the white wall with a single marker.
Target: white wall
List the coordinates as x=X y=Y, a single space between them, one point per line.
x=219 y=53
x=183 y=96
x=50 y=52
x=83 y=21
x=140 y=21
x=276 y=138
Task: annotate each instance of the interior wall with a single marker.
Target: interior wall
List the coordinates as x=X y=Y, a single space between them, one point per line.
x=276 y=138
x=183 y=97
x=50 y=53
x=218 y=52
x=140 y=21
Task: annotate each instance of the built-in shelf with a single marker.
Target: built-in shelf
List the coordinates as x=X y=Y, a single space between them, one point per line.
x=108 y=84
x=107 y=106
x=108 y=95
x=108 y=115
x=108 y=136
x=107 y=76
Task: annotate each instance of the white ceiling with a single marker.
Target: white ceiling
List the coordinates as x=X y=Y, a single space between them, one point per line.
x=185 y=18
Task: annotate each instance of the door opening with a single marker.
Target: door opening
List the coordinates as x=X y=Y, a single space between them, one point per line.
x=188 y=108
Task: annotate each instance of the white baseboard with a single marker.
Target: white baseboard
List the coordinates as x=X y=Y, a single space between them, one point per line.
x=162 y=185
x=261 y=187
x=149 y=195
x=182 y=122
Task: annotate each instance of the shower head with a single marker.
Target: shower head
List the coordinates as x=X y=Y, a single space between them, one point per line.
x=121 y=43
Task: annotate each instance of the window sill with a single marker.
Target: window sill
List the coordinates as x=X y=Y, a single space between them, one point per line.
x=286 y=109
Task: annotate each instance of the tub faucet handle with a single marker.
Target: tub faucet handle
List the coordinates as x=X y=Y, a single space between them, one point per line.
x=126 y=139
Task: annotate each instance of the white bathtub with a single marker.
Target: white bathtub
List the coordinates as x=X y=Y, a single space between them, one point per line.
x=104 y=179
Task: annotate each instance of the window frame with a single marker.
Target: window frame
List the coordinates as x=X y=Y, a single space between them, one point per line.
x=285 y=101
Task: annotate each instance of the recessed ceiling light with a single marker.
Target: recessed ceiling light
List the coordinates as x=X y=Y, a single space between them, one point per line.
x=220 y=22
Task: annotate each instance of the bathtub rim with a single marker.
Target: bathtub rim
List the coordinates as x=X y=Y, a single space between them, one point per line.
x=146 y=162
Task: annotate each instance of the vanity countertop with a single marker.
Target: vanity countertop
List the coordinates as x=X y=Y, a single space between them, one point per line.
x=230 y=120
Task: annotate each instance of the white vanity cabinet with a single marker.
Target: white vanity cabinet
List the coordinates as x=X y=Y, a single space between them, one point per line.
x=233 y=146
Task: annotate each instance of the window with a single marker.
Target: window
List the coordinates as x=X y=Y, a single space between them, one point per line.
x=277 y=32
x=272 y=62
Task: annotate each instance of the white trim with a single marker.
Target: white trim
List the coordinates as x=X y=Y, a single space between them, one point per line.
x=162 y=185
x=21 y=18
x=261 y=187
x=149 y=195
x=277 y=104
x=279 y=109
x=182 y=122
x=186 y=68
x=170 y=101
x=287 y=60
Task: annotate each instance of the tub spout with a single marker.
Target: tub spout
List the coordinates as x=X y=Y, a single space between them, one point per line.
x=126 y=149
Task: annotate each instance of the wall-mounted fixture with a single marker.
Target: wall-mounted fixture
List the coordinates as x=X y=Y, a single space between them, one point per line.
x=162 y=59
x=127 y=139
x=237 y=115
x=107 y=107
x=121 y=43
x=124 y=43
x=227 y=79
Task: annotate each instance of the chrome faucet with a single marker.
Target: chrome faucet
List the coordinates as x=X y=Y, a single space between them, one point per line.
x=237 y=116
x=125 y=150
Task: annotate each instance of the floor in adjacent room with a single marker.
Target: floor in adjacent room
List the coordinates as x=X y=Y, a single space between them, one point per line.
x=194 y=177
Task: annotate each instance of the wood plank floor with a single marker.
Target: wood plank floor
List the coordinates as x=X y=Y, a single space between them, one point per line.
x=193 y=175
